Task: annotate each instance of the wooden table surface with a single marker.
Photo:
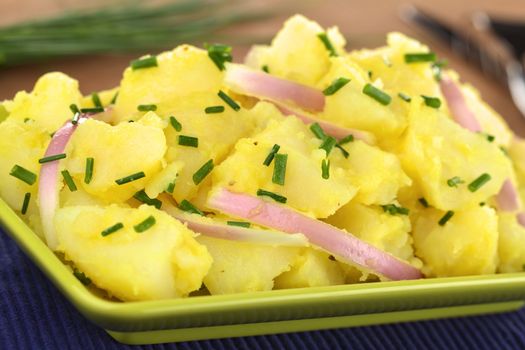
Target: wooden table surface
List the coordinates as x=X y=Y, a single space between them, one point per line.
x=364 y=23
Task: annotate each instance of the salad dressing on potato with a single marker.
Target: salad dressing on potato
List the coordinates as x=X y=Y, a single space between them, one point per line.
x=305 y=166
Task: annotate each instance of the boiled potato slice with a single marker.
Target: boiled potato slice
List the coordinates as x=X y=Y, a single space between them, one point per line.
x=183 y=78
x=312 y=268
x=48 y=104
x=304 y=187
x=350 y=107
x=373 y=225
x=517 y=154
x=162 y=262
x=20 y=144
x=296 y=52
x=245 y=267
x=436 y=149
x=465 y=245
x=511 y=246
x=118 y=151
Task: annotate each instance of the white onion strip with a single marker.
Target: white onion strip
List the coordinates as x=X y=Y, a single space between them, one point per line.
x=331 y=129
x=48 y=180
x=209 y=227
x=335 y=241
x=247 y=81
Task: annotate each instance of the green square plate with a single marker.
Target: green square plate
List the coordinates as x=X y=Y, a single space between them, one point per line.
x=279 y=311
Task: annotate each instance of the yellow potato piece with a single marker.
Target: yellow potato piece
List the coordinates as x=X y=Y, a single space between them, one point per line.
x=118 y=151
x=511 y=245
x=466 y=245
x=245 y=267
x=312 y=268
x=48 y=104
x=162 y=262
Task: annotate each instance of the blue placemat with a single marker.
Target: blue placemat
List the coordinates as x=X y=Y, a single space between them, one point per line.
x=34 y=315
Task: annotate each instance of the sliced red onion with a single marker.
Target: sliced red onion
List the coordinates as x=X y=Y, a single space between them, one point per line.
x=264 y=86
x=507 y=198
x=48 y=180
x=335 y=241
x=331 y=129
x=458 y=105
x=521 y=218
x=209 y=228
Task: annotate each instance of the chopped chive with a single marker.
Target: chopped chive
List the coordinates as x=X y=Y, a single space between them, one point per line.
x=25 y=204
x=393 y=209
x=219 y=54
x=171 y=186
x=370 y=73
x=26 y=120
x=328 y=144
x=141 y=196
x=96 y=100
x=279 y=169
x=449 y=214
x=274 y=196
x=404 y=97
x=92 y=110
x=203 y=172
x=112 y=229
x=175 y=124
x=325 y=169
x=190 y=208
x=437 y=68
x=490 y=138
x=432 y=102
x=85 y=280
x=88 y=176
x=229 y=100
x=482 y=204
x=146 y=62
x=189 y=141
x=454 y=181
x=214 y=109
x=147 y=108
x=327 y=43
x=376 y=94
x=504 y=150
x=52 y=158
x=423 y=202
x=346 y=139
x=75 y=118
x=114 y=99
x=269 y=158
x=69 y=181
x=145 y=225
x=335 y=86
x=344 y=151
x=420 y=57
x=74 y=108
x=265 y=68
x=316 y=129
x=480 y=181
x=23 y=174
x=130 y=178
x=239 y=223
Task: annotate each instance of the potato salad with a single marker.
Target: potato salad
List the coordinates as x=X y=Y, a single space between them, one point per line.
x=306 y=165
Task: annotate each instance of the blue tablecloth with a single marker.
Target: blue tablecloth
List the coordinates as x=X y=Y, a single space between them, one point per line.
x=34 y=315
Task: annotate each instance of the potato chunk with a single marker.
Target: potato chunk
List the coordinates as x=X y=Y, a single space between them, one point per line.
x=436 y=149
x=162 y=262
x=511 y=246
x=296 y=52
x=118 y=151
x=304 y=187
x=245 y=267
x=48 y=104
x=183 y=78
x=312 y=268
x=466 y=245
